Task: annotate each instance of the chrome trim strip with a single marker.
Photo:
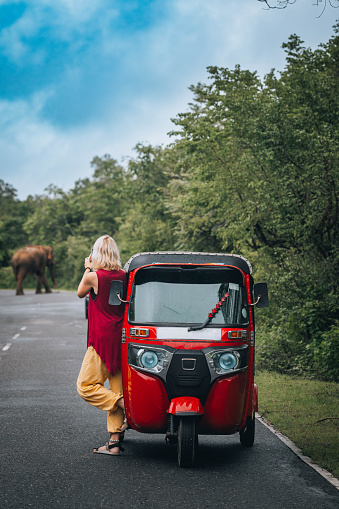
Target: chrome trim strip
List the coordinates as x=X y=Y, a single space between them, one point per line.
x=181 y=333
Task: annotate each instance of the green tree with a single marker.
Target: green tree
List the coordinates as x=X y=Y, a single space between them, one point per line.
x=147 y=225
x=71 y=221
x=261 y=177
x=12 y=217
x=53 y=218
x=101 y=200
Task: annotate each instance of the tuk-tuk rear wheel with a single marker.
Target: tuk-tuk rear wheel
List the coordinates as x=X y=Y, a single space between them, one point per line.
x=247 y=433
x=187 y=441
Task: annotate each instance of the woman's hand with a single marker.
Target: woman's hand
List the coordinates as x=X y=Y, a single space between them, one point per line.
x=89 y=279
x=88 y=262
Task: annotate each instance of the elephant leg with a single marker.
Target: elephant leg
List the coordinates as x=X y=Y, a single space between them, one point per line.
x=38 y=285
x=19 y=279
x=48 y=290
x=46 y=285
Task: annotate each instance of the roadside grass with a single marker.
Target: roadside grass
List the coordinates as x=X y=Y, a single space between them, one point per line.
x=306 y=411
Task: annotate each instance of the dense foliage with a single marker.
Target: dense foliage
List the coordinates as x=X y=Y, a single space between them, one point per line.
x=253 y=169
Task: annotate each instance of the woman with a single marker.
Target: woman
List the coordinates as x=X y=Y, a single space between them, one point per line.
x=103 y=357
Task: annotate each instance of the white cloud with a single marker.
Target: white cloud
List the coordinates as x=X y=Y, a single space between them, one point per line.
x=149 y=70
x=62 y=20
x=34 y=154
x=81 y=10
x=13 y=39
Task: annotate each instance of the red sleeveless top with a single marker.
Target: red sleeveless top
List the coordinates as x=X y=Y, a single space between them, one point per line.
x=105 y=321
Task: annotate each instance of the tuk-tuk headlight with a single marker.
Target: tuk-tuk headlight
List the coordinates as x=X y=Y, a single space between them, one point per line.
x=227 y=361
x=149 y=359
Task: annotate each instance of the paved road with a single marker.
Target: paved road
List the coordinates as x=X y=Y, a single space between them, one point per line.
x=48 y=433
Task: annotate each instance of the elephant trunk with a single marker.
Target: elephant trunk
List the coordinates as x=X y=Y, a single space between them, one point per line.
x=52 y=274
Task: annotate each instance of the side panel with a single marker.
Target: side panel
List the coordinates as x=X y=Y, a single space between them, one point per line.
x=224 y=406
x=146 y=402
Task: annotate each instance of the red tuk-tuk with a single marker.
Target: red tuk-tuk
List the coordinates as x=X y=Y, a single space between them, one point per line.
x=188 y=346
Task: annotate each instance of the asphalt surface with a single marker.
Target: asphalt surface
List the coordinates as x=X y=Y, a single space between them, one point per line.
x=48 y=433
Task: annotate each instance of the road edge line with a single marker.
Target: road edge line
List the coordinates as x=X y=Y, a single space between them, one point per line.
x=291 y=445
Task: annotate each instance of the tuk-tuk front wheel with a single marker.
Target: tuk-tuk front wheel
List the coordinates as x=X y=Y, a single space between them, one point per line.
x=187 y=441
x=248 y=432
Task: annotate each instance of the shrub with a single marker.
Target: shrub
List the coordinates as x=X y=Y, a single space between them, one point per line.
x=326 y=355
x=7 y=279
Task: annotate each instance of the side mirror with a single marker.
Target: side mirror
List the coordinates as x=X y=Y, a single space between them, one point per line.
x=261 y=295
x=117 y=287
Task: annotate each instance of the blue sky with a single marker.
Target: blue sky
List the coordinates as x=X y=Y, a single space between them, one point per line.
x=80 y=78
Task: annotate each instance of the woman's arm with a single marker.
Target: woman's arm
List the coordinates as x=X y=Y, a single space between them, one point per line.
x=89 y=280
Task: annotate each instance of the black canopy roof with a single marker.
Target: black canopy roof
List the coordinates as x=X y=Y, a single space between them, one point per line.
x=141 y=259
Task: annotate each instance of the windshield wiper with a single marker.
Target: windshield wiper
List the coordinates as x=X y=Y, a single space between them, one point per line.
x=211 y=314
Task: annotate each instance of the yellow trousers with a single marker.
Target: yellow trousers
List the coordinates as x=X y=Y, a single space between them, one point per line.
x=90 y=385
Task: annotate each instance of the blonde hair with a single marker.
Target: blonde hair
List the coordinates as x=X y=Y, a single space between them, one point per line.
x=105 y=254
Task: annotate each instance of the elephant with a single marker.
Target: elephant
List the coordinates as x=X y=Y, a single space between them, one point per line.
x=33 y=260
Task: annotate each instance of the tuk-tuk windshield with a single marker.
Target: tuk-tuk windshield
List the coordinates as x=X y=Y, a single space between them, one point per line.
x=185 y=296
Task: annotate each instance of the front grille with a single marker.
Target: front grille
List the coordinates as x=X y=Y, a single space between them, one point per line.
x=188 y=382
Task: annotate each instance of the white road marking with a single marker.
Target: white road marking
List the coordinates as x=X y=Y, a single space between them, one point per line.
x=23 y=328
x=324 y=473
x=6 y=347
x=16 y=336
